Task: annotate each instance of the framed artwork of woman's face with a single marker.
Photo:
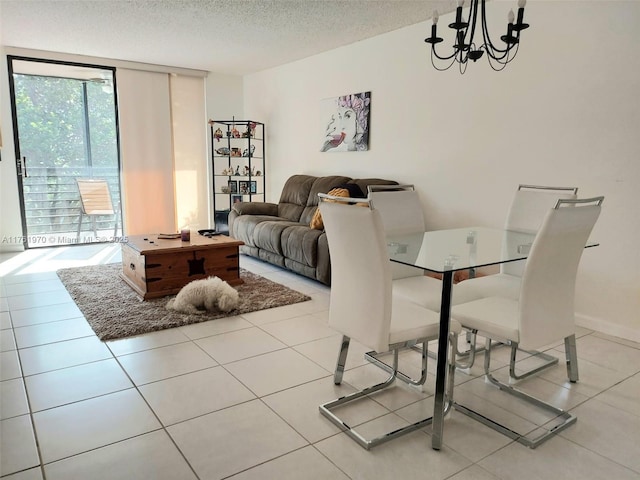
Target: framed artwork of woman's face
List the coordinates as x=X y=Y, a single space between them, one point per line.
x=346 y=123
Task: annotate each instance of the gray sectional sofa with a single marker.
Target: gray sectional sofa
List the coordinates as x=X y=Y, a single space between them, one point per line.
x=280 y=233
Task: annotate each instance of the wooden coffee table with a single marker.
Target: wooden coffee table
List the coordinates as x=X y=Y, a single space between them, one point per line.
x=155 y=267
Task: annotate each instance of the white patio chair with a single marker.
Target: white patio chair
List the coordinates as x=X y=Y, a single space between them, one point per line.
x=95 y=200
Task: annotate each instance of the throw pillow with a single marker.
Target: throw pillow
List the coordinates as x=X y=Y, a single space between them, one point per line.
x=316 y=221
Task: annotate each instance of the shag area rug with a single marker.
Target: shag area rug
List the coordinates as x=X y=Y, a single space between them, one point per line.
x=114 y=310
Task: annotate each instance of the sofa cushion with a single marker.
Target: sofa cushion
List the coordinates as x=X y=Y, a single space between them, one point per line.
x=244 y=227
x=267 y=235
x=300 y=244
x=294 y=197
x=255 y=208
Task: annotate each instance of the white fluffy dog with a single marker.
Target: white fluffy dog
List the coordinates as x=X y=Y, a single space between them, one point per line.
x=205 y=294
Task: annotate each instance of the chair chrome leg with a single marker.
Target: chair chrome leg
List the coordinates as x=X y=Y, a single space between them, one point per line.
x=468 y=336
x=471 y=352
x=453 y=337
x=549 y=360
x=452 y=370
x=571 y=353
x=371 y=357
x=569 y=419
x=342 y=360
x=325 y=409
x=471 y=335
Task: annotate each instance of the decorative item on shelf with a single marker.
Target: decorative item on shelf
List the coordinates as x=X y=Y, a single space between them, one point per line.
x=249 y=152
x=244 y=187
x=253 y=186
x=233 y=186
x=225 y=189
x=238 y=170
x=235 y=133
x=217 y=134
x=250 y=131
x=466 y=49
x=246 y=170
x=235 y=152
x=258 y=173
x=236 y=199
x=253 y=170
x=222 y=151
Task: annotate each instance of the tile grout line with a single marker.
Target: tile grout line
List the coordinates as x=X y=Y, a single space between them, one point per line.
x=162 y=426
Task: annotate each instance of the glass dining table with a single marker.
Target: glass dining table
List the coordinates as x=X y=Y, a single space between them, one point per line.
x=446 y=252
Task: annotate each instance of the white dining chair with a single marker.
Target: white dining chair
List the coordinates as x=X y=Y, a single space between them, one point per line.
x=543 y=313
x=401 y=213
x=528 y=208
x=363 y=308
x=527 y=211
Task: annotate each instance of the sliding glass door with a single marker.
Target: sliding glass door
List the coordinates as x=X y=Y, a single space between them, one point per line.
x=65 y=119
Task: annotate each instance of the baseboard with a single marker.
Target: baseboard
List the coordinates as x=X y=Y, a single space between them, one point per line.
x=603 y=326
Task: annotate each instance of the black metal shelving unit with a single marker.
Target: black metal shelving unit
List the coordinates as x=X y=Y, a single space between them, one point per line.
x=237 y=164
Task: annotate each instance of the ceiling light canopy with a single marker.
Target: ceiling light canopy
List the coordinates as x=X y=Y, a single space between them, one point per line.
x=465 y=48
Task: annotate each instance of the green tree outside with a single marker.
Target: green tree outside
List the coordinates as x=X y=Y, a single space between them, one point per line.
x=53 y=139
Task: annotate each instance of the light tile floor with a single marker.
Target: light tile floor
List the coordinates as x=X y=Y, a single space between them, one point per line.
x=238 y=397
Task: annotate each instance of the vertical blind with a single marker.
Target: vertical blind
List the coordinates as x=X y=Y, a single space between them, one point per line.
x=162 y=126
x=189 y=131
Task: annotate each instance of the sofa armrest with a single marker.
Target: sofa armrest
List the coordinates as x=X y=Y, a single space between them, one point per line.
x=255 y=208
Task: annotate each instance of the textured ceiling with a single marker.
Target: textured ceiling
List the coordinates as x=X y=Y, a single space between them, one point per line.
x=227 y=36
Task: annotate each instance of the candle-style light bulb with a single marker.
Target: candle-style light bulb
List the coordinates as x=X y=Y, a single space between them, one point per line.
x=520 y=24
x=433 y=39
x=509 y=39
x=458 y=22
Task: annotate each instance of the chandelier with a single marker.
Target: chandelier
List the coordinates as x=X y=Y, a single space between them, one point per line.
x=466 y=49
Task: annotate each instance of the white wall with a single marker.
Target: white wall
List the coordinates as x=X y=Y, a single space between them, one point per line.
x=565 y=112
x=224 y=96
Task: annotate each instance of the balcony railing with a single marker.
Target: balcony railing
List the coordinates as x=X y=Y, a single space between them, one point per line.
x=53 y=207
